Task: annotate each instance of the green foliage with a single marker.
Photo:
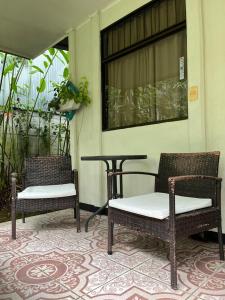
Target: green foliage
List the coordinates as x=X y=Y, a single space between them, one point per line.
x=51 y=51
x=23 y=130
x=66 y=91
x=83 y=96
x=46 y=64
x=9 y=68
x=65 y=56
x=14 y=84
x=42 y=85
x=48 y=58
x=66 y=73
x=38 y=69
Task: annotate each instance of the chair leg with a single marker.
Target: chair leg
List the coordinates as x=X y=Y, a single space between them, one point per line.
x=13 y=229
x=23 y=216
x=77 y=212
x=110 y=235
x=220 y=240
x=173 y=263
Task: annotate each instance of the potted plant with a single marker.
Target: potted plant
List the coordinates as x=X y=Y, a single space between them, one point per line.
x=68 y=97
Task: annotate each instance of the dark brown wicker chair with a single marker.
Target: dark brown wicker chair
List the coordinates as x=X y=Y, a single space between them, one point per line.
x=180 y=175
x=48 y=184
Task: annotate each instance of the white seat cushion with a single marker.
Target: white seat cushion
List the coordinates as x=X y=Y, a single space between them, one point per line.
x=156 y=205
x=48 y=191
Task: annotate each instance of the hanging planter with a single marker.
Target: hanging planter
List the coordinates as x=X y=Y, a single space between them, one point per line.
x=68 y=106
x=70 y=114
x=68 y=97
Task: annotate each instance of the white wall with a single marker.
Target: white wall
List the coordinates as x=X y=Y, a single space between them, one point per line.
x=198 y=133
x=214 y=62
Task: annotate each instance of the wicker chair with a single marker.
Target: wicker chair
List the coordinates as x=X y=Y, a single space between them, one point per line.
x=187 y=200
x=48 y=184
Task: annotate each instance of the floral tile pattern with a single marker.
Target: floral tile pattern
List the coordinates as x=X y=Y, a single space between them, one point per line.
x=50 y=260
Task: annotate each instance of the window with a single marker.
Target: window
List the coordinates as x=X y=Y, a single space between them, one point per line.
x=144 y=73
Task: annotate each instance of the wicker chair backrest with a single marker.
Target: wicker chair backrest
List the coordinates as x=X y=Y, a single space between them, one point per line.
x=178 y=164
x=47 y=170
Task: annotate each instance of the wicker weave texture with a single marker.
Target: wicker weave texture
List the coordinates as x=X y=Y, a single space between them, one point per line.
x=181 y=164
x=47 y=170
x=46 y=204
x=186 y=174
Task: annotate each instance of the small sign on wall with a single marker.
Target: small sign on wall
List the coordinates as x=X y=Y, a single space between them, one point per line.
x=181 y=65
x=193 y=93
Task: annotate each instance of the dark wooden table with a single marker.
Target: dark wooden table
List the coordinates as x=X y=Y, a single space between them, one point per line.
x=116 y=166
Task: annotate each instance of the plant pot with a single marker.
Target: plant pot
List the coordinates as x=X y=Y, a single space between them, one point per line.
x=68 y=106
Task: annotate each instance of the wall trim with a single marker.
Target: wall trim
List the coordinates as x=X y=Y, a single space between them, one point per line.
x=208 y=236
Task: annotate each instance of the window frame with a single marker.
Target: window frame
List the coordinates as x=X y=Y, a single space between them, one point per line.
x=136 y=46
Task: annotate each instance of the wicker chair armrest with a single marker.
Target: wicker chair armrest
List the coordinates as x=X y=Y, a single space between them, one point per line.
x=193 y=177
x=18 y=174
x=19 y=177
x=173 y=180
x=172 y=191
x=110 y=174
x=14 y=176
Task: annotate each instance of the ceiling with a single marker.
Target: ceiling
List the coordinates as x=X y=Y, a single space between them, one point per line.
x=29 y=27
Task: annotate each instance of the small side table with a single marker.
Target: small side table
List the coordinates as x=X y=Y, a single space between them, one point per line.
x=113 y=159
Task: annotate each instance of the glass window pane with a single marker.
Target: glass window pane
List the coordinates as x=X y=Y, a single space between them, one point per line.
x=144 y=66
x=159 y=16
x=146 y=86
x=171 y=89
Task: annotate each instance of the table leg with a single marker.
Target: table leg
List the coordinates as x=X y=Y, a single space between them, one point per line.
x=100 y=208
x=94 y=214
x=121 y=178
x=114 y=169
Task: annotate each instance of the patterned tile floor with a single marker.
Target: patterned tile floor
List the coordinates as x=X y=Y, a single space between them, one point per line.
x=50 y=260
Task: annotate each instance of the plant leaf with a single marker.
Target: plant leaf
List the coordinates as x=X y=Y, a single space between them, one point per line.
x=42 y=86
x=48 y=58
x=9 y=68
x=38 y=69
x=66 y=73
x=51 y=51
x=65 y=55
x=33 y=72
x=45 y=64
x=14 y=85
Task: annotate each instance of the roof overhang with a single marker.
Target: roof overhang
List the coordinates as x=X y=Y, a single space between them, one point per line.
x=29 y=27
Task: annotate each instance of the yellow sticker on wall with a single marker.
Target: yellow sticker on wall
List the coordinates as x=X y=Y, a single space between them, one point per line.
x=193 y=93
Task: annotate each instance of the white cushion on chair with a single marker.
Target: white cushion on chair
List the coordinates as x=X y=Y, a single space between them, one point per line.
x=156 y=205
x=48 y=191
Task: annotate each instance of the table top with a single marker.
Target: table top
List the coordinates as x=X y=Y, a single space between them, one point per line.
x=113 y=157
